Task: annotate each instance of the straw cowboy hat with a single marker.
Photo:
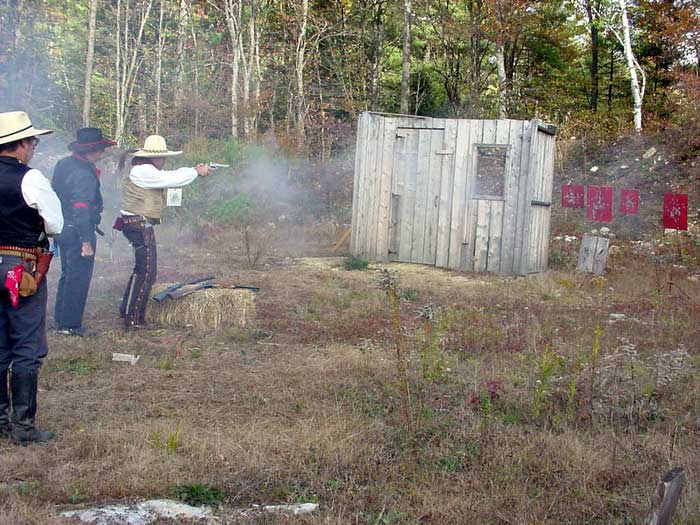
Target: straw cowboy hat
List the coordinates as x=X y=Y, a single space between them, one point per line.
x=155 y=146
x=15 y=125
x=89 y=139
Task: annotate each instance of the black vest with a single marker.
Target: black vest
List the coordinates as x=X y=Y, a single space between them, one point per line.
x=20 y=225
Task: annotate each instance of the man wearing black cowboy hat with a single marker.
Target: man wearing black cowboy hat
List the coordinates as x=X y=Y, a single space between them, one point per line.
x=77 y=183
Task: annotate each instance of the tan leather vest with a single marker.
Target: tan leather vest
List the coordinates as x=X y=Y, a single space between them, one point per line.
x=142 y=201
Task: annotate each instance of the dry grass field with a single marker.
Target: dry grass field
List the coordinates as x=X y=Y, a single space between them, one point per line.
x=527 y=403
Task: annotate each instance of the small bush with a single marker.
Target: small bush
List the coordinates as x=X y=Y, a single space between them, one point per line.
x=199 y=494
x=355 y=263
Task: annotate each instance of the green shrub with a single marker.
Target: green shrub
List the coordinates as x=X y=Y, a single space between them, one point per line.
x=198 y=494
x=355 y=263
x=238 y=211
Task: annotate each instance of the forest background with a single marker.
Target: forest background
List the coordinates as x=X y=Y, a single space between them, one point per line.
x=215 y=75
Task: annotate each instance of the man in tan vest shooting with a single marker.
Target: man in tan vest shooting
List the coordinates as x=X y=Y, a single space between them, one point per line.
x=142 y=208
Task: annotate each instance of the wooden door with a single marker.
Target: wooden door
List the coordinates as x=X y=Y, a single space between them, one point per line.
x=415 y=195
x=540 y=202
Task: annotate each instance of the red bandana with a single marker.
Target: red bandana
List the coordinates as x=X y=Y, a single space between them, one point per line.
x=14 y=277
x=97 y=170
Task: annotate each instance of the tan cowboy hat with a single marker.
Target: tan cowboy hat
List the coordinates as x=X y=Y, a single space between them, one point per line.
x=15 y=125
x=155 y=146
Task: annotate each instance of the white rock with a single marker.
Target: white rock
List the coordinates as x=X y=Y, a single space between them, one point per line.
x=166 y=508
x=117 y=514
x=649 y=153
x=145 y=513
x=624 y=167
x=617 y=317
x=594 y=169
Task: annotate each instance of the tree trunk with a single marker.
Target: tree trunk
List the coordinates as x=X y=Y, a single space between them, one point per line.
x=130 y=60
x=232 y=9
x=159 y=65
x=595 y=51
x=376 y=57
x=89 y=63
x=406 y=57
x=182 y=24
x=632 y=67
x=611 y=77
x=300 y=109
x=502 y=82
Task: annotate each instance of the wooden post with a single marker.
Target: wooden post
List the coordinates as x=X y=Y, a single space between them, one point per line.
x=665 y=501
x=593 y=254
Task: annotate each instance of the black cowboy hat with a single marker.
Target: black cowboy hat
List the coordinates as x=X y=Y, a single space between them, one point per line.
x=89 y=139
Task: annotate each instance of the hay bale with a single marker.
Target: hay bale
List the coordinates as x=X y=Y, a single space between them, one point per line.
x=208 y=309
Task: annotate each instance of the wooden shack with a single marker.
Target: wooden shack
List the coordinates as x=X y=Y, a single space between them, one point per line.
x=471 y=195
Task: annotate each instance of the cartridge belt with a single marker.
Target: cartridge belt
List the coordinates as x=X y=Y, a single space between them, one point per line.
x=17 y=251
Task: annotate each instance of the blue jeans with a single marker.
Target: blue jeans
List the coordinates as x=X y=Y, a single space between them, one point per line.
x=23 y=329
x=73 y=286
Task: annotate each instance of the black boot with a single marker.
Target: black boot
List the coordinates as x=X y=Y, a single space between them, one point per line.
x=24 y=389
x=4 y=406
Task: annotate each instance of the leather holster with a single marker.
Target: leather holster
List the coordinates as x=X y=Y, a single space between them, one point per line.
x=43 y=263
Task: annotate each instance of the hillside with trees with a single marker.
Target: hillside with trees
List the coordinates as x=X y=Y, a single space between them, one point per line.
x=299 y=69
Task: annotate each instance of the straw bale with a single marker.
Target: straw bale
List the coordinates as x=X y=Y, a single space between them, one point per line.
x=207 y=309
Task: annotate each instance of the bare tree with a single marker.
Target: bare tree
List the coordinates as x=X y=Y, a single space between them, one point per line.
x=300 y=105
x=182 y=25
x=406 y=57
x=233 y=11
x=159 y=64
x=89 y=62
x=129 y=57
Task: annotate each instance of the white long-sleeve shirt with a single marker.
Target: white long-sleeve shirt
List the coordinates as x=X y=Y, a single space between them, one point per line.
x=149 y=177
x=39 y=195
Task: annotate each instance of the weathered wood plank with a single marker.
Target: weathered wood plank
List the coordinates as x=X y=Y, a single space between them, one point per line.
x=459 y=194
x=394 y=231
x=357 y=181
x=419 y=213
x=522 y=204
x=371 y=195
x=437 y=140
x=373 y=212
x=510 y=211
x=388 y=142
x=495 y=233
x=469 y=241
x=409 y=195
x=527 y=198
x=481 y=245
x=548 y=180
x=446 y=195
x=666 y=499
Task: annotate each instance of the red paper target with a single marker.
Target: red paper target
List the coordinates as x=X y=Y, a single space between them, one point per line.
x=572 y=196
x=600 y=203
x=676 y=211
x=629 y=201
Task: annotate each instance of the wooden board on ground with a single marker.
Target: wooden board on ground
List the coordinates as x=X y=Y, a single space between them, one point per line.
x=341 y=240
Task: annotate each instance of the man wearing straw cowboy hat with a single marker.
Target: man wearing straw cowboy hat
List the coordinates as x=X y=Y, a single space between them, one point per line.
x=76 y=181
x=142 y=208
x=29 y=211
